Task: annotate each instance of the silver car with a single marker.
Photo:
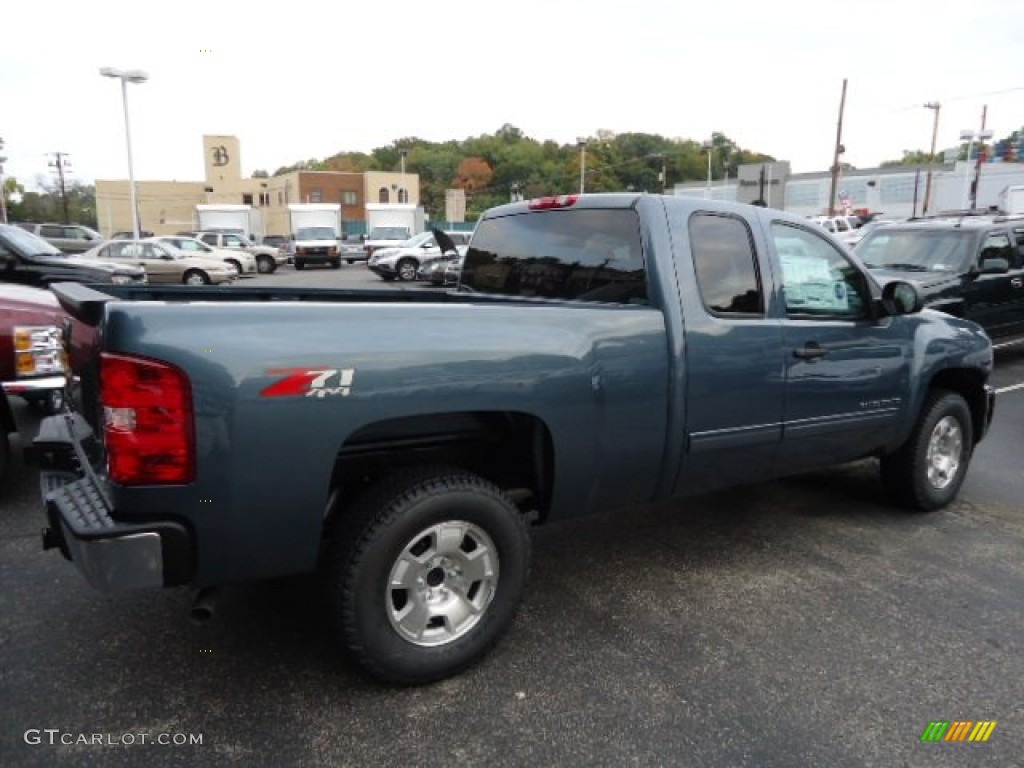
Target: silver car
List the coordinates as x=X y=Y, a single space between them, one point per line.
x=243 y=262
x=164 y=263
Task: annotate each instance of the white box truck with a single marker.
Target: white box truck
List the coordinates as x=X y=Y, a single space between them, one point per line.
x=1011 y=199
x=243 y=219
x=315 y=236
x=388 y=224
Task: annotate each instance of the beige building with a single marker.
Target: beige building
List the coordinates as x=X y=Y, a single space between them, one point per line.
x=166 y=207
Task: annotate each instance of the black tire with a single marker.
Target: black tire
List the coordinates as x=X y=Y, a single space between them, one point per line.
x=300 y=265
x=350 y=261
x=441 y=516
x=336 y=264
x=265 y=265
x=927 y=472
x=195 y=277
x=406 y=270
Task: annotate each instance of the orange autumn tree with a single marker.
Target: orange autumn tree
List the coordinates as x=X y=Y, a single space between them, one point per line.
x=473 y=174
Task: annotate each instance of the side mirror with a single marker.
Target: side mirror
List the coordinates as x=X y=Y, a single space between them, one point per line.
x=994 y=266
x=901 y=298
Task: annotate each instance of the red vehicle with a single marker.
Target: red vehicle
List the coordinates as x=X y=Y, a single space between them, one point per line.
x=33 y=363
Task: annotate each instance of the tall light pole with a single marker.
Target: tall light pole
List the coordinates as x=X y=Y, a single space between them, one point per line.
x=403 y=191
x=663 y=177
x=708 y=145
x=935 y=107
x=3 y=192
x=581 y=141
x=128 y=76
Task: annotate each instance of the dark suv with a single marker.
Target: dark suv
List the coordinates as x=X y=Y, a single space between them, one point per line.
x=971 y=266
x=30 y=260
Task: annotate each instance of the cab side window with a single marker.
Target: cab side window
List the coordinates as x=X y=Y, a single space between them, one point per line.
x=726 y=264
x=996 y=245
x=818 y=281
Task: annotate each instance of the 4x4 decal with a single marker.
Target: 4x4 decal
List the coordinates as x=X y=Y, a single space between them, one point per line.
x=310 y=382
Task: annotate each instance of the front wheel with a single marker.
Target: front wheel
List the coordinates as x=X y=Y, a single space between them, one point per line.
x=265 y=265
x=196 y=277
x=927 y=472
x=427 y=571
x=406 y=270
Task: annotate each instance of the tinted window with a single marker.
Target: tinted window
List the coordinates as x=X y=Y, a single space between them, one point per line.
x=996 y=245
x=583 y=255
x=48 y=230
x=816 y=277
x=726 y=265
x=916 y=250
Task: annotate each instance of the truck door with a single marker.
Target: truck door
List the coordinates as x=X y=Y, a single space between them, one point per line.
x=731 y=368
x=996 y=298
x=844 y=373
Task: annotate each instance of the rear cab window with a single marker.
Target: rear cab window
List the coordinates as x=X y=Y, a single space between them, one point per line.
x=588 y=255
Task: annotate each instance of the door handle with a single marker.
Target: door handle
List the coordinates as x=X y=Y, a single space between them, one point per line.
x=1016 y=282
x=810 y=351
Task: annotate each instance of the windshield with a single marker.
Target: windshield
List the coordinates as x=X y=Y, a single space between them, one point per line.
x=417 y=240
x=388 y=233
x=915 y=250
x=28 y=243
x=316 y=233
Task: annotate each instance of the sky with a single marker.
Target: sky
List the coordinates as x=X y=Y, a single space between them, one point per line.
x=295 y=81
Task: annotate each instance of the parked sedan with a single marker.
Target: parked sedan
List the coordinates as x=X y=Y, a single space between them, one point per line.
x=244 y=263
x=164 y=263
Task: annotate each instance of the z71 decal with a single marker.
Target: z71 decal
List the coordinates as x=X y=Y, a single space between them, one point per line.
x=310 y=382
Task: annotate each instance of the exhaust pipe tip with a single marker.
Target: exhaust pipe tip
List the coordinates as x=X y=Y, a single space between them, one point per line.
x=204 y=606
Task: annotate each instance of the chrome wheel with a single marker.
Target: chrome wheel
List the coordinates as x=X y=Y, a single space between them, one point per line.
x=442 y=583
x=945 y=449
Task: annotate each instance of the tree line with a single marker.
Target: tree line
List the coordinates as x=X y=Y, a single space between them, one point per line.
x=491 y=169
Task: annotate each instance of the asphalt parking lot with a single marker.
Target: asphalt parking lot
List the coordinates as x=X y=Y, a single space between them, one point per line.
x=797 y=623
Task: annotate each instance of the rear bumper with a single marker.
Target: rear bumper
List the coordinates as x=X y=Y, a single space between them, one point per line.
x=113 y=556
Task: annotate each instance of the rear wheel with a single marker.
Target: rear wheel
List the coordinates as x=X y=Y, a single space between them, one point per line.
x=336 y=264
x=927 y=472
x=300 y=265
x=265 y=265
x=427 y=571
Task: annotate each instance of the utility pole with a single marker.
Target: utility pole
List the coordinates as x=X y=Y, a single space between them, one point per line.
x=3 y=192
x=60 y=163
x=934 y=106
x=835 y=157
x=977 y=166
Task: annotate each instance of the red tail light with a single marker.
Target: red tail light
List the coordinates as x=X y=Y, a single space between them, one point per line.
x=148 y=421
x=545 y=203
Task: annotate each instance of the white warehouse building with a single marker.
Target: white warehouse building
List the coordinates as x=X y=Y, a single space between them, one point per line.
x=894 y=191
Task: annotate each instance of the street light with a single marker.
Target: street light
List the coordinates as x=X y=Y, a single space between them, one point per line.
x=3 y=192
x=128 y=76
x=970 y=136
x=708 y=145
x=581 y=142
x=935 y=106
x=402 y=153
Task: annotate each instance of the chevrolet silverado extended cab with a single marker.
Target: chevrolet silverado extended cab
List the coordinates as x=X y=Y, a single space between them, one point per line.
x=600 y=350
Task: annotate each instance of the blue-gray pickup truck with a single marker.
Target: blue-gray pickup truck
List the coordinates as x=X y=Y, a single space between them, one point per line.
x=599 y=350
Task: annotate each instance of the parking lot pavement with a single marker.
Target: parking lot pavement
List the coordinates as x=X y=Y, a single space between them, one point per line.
x=796 y=623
